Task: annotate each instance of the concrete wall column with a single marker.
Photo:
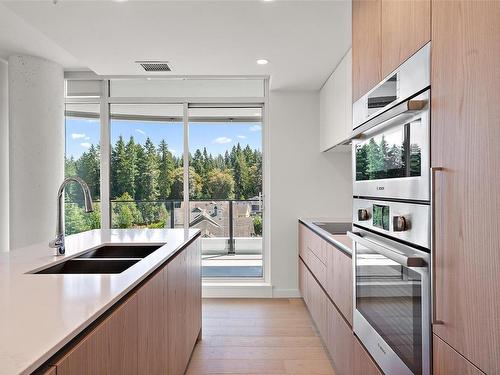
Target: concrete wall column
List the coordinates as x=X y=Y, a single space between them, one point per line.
x=4 y=157
x=36 y=160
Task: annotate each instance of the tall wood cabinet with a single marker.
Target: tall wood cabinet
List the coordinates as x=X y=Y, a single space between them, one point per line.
x=366 y=46
x=384 y=34
x=406 y=27
x=466 y=144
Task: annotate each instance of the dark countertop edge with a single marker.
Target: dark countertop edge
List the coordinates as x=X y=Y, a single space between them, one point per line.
x=327 y=237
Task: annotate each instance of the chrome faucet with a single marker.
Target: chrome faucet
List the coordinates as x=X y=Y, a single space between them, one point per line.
x=58 y=242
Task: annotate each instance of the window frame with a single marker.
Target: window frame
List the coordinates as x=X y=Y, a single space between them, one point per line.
x=105 y=101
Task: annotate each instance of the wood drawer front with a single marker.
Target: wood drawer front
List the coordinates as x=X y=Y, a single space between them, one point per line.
x=339 y=341
x=317 y=267
x=303 y=281
x=363 y=363
x=315 y=243
x=448 y=361
x=110 y=348
x=316 y=301
x=339 y=283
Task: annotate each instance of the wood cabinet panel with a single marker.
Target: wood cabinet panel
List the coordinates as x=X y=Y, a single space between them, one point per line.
x=363 y=363
x=340 y=341
x=193 y=308
x=406 y=27
x=109 y=349
x=447 y=361
x=339 y=281
x=303 y=281
x=465 y=138
x=152 y=325
x=178 y=341
x=315 y=299
x=52 y=370
x=366 y=46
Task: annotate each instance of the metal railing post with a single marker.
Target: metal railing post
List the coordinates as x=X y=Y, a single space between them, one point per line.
x=172 y=214
x=231 y=229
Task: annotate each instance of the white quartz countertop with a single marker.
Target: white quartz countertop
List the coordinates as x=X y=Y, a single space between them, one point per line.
x=40 y=313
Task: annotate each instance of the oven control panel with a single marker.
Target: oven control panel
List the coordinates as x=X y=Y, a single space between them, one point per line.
x=406 y=221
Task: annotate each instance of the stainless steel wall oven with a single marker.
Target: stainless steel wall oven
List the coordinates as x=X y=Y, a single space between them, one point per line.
x=391 y=219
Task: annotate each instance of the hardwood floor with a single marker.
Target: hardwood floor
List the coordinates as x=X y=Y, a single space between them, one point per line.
x=259 y=336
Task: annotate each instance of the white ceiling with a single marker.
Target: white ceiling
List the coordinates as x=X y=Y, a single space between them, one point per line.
x=304 y=40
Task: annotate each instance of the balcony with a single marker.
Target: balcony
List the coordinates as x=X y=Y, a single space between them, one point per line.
x=231 y=230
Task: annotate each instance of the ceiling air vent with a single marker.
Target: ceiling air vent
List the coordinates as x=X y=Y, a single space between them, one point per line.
x=155 y=66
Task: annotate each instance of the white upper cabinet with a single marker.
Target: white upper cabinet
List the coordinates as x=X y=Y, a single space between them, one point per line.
x=336 y=106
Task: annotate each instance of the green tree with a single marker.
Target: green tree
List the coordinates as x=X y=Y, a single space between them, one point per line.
x=166 y=166
x=148 y=180
x=257 y=225
x=125 y=212
x=119 y=177
x=195 y=183
x=240 y=171
x=220 y=184
x=88 y=168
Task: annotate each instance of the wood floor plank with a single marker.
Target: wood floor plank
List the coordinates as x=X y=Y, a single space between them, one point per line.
x=261 y=352
x=262 y=341
x=258 y=336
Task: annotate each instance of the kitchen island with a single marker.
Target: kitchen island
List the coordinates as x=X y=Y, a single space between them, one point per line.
x=52 y=320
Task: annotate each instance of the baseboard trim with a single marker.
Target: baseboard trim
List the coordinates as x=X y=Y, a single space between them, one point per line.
x=237 y=290
x=286 y=293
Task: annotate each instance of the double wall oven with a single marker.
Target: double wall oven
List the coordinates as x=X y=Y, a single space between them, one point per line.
x=391 y=218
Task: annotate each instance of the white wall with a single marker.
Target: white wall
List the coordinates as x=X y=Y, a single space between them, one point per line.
x=4 y=158
x=304 y=181
x=36 y=133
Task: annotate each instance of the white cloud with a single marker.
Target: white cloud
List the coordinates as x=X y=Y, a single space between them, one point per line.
x=140 y=131
x=222 y=140
x=255 y=128
x=78 y=135
x=85 y=144
x=242 y=136
x=87 y=138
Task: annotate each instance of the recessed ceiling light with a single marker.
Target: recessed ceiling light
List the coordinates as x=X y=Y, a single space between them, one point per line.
x=262 y=61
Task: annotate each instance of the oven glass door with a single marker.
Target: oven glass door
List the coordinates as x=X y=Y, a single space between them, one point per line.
x=394 y=153
x=389 y=297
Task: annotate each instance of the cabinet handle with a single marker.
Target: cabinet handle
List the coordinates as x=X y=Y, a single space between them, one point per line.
x=435 y=320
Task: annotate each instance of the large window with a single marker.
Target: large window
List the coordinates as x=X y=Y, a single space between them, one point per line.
x=146 y=166
x=146 y=126
x=82 y=158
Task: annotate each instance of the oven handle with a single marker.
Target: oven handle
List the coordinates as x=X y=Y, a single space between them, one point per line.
x=407 y=261
x=390 y=117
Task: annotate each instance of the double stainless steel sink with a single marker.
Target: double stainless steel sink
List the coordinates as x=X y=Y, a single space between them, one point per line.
x=106 y=259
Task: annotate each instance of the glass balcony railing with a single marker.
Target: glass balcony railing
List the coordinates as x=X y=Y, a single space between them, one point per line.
x=231 y=230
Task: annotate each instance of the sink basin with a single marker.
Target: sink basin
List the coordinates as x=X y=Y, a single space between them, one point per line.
x=334 y=228
x=120 y=251
x=86 y=266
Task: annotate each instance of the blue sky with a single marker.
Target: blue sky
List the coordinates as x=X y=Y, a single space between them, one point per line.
x=216 y=137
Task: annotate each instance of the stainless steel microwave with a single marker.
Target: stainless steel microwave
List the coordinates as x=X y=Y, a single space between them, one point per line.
x=391 y=150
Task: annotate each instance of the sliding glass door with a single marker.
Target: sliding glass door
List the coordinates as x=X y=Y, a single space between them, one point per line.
x=225 y=188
